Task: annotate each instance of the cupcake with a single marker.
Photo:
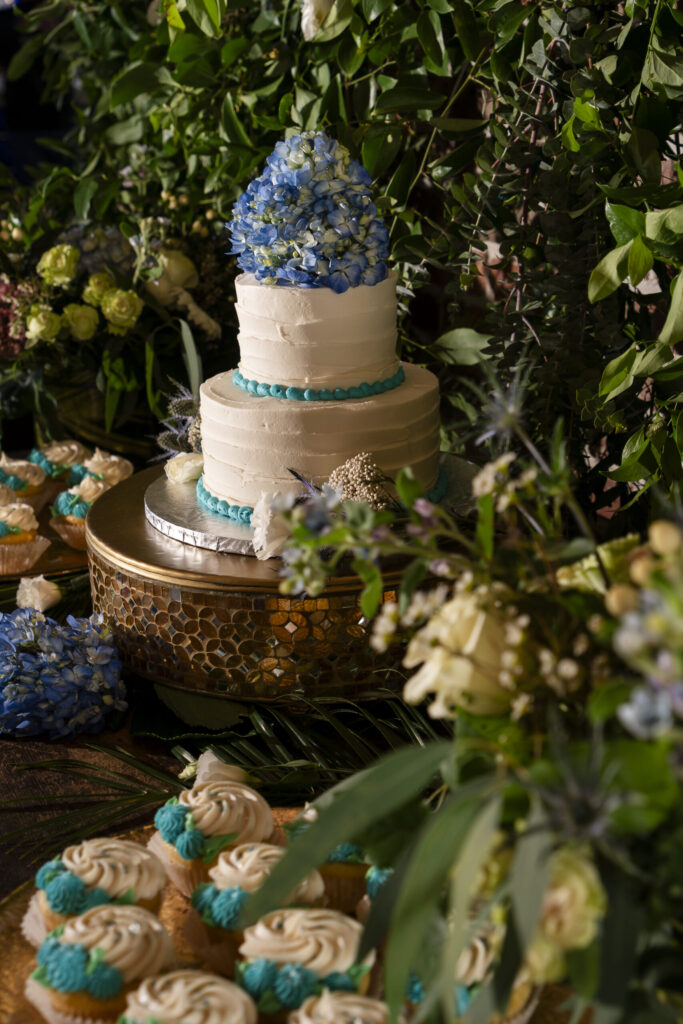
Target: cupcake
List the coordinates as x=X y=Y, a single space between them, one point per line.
x=71 y=507
x=340 y=1008
x=112 y=468
x=20 y=544
x=58 y=457
x=27 y=480
x=375 y=878
x=194 y=827
x=211 y=928
x=94 y=872
x=292 y=954
x=87 y=968
x=188 y=997
x=343 y=871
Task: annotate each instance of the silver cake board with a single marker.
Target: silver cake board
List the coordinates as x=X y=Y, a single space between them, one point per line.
x=173 y=510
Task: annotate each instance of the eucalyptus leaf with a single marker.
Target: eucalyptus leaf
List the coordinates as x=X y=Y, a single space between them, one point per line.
x=672 y=331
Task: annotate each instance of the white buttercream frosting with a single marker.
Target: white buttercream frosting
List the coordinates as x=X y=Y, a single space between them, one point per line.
x=65 y=453
x=117 y=866
x=321 y=940
x=474 y=962
x=90 y=488
x=223 y=806
x=18 y=515
x=112 y=467
x=250 y=443
x=130 y=938
x=7 y=495
x=190 y=997
x=312 y=337
x=249 y=864
x=28 y=471
x=340 y=1008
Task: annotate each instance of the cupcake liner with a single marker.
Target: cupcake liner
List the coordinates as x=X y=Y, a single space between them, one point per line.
x=53 y=488
x=186 y=877
x=526 y=1012
x=71 y=533
x=37 y=501
x=16 y=559
x=39 y=997
x=343 y=892
x=33 y=926
x=217 y=947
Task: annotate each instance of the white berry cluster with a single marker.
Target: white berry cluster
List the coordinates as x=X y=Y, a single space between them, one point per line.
x=361 y=479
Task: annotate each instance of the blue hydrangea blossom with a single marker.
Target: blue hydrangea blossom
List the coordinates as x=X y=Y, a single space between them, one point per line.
x=61 y=680
x=310 y=219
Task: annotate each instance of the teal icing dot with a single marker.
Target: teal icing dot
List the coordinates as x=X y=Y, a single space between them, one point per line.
x=104 y=981
x=170 y=820
x=244 y=514
x=340 y=394
x=326 y=395
x=259 y=976
x=262 y=390
x=227 y=906
x=311 y=395
x=48 y=871
x=94 y=898
x=65 y=893
x=339 y=981
x=293 y=984
x=366 y=389
x=278 y=391
x=295 y=394
x=66 y=968
x=190 y=844
x=252 y=386
x=355 y=393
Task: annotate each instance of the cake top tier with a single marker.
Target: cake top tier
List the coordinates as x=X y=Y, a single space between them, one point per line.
x=309 y=219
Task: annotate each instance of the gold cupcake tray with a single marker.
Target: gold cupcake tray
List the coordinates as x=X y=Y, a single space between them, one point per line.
x=18 y=956
x=213 y=625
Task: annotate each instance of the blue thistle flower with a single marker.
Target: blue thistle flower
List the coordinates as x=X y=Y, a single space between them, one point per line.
x=309 y=219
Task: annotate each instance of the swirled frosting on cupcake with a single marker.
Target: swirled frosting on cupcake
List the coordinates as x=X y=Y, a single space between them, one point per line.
x=22 y=472
x=474 y=962
x=77 y=500
x=189 y=997
x=324 y=941
x=249 y=864
x=112 y=468
x=222 y=807
x=118 y=866
x=18 y=517
x=130 y=939
x=65 y=453
x=340 y=1008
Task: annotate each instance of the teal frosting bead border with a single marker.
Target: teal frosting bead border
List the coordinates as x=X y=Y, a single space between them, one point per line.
x=238 y=513
x=364 y=390
x=440 y=488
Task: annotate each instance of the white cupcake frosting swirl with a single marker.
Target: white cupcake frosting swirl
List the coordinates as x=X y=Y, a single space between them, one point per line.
x=340 y=1008
x=222 y=807
x=19 y=515
x=474 y=962
x=28 y=471
x=249 y=864
x=131 y=939
x=321 y=940
x=190 y=997
x=117 y=866
x=113 y=468
x=89 y=488
x=65 y=453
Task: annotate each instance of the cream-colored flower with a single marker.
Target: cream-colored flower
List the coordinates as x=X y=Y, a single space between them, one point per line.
x=574 y=901
x=313 y=14
x=665 y=537
x=461 y=650
x=37 y=592
x=271 y=532
x=544 y=962
x=98 y=285
x=122 y=309
x=58 y=265
x=620 y=599
x=42 y=325
x=183 y=468
x=82 y=321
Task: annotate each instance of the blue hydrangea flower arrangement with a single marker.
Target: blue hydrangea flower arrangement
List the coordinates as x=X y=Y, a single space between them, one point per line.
x=310 y=219
x=61 y=680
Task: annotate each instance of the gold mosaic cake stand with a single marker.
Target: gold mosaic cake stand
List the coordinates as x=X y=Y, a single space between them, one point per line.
x=215 y=625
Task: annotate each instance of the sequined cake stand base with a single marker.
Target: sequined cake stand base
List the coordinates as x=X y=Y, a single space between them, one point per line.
x=209 y=628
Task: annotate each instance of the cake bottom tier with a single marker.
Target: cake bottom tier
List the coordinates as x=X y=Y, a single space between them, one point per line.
x=250 y=443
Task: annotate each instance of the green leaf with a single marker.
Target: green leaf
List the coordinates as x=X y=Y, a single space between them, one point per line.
x=458 y=125
x=485 y=523
x=137 y=79
x=233 y=49
x=664 y=226
x=467 y=29
x=427 y=34
x=621 y=932
x=408 y=487
x=152 y=395
x=380 y=149
x=407 y=97
x=584 y=970
x=609 y=273
x=373 y=8
x=402 y=178
x=336 y=22
x=83 y=194
x=643 y=150
x=372 y=591
x=191 y=358
x=124 y=132
x=529 y=875
x=214 y=844
x=617 y=372
x=23 y=59
x=603 y=702
x=463 y=346
x=640 y=261
x=173 y=16
x=205 y=15
x=230 y=123
x=624 y=222
x=672 y=331
x=346 y=810
x=411 y=579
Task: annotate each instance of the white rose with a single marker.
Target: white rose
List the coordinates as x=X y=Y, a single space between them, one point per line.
x=461 y=650
x=271 y=532
x=313 y=14
x=37 y=592
x=183 y=468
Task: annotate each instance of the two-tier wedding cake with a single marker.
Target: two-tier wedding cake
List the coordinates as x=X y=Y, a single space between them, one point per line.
x=318 y=379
